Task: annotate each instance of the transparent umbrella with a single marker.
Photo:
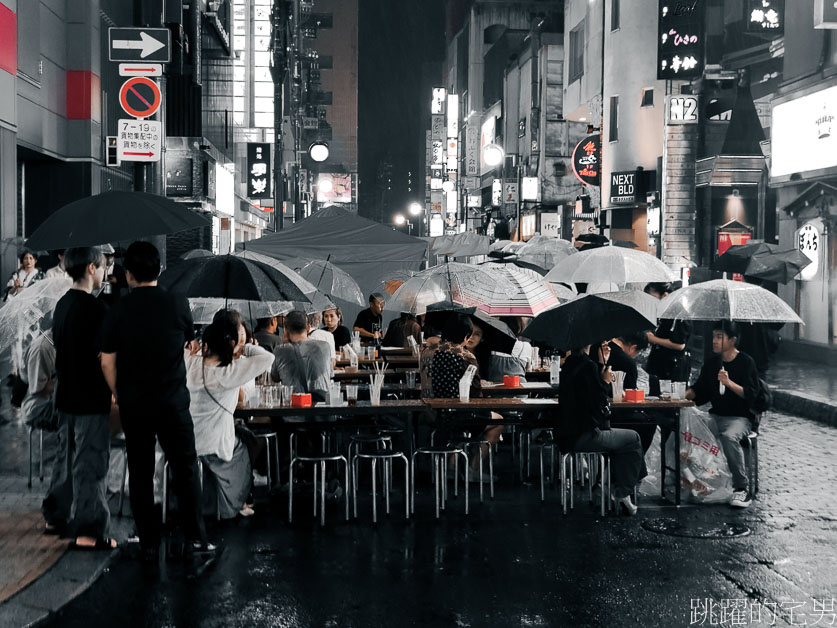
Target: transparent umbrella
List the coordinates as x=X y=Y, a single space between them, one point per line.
x=328 y=279
x=394 y=280
x=610 y=264
x=204 y=309
x=722 y=299
x=545 y=252
x=25 y=316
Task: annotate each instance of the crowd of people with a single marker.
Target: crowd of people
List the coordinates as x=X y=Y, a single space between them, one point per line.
x=135 y=364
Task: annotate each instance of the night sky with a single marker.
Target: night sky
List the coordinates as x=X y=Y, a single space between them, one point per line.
x=401 y=50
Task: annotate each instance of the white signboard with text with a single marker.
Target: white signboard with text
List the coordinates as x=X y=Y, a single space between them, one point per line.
x=551 y=225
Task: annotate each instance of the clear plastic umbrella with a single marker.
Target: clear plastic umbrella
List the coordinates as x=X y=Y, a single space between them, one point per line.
x=328 y=279
x=610 y=264
x=463 y=284
x=204 y=309
x=530 y=294
x=394 y=280
x=722 y=299
x=25 y=316
x=545 y=252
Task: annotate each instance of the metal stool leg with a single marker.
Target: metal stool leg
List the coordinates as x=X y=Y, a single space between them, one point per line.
x=291 y=490
x=374 y=494
x=346 y=479
x=315 y=490
x=122 y=485
x=322 y=491
x=29 y=484
x=437 y=463
x=41 y=458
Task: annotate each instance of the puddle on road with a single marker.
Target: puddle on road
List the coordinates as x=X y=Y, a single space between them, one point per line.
x=672 y=527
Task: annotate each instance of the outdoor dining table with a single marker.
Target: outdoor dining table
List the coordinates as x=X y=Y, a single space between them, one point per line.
x=403 y=361
x=665 y=413
x=363 y=375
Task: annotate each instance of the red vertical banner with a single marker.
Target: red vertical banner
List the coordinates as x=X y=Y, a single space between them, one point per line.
x=8 y=40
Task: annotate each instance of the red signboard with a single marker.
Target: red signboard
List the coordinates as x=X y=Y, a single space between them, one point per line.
x=587 y=160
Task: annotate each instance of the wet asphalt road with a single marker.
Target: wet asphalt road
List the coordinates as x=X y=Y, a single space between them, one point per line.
x=512 y=562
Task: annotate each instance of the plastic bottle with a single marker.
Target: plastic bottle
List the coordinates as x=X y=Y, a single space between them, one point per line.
x=555 y=371
x=721 y=387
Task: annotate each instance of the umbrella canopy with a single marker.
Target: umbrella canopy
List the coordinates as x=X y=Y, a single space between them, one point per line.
x=113 y=217
x=610 y=264
x=545 y=252
x=526 y=263
x=24 y=316
x=232 y=277
x=589 y=319
x=530 y=295
x=722 y=299
x=563 y=292
x=394 y=281
x=463 y=284
x=204 y=310
x=328 y=279
x=497 y=336
x=736 y=258
x=781 y=266
x=193 y=253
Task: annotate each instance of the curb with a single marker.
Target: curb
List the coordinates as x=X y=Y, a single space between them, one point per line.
x=806 y=406
x=68 y=578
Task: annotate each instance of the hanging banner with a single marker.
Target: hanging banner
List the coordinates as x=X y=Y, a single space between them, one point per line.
x=587 y=157
x=680 y=40
x=258 y=170
x=472 y=148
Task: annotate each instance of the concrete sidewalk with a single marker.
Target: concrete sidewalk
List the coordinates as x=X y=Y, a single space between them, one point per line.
x=805 y=389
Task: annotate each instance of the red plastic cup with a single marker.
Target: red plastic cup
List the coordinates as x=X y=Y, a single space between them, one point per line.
x=511 y=381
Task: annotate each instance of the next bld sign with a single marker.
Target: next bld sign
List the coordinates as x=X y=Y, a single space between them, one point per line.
x=623 y=188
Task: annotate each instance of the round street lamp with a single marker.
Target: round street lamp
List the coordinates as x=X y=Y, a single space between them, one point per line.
x=325 y=185
x=415 y=209
x=400 y=219
x=493 y=154
x=448 y=185
x=318 y=151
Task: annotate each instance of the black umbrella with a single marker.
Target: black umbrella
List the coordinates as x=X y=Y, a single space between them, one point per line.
x=234 y=278
x=736 y=258
x=113 y=217
x=589 y=319
x=780 y=267
x=496 y=336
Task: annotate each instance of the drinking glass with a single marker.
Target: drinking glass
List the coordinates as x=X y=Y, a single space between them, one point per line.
x=411 y=379
x=286 y=394
x=375 y=395
x=351 y=394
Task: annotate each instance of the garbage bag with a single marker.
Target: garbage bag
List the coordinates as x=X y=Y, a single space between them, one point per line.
x=650 y=485
x=705 y=473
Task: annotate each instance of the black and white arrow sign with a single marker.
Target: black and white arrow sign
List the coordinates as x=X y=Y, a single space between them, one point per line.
x=152 y=45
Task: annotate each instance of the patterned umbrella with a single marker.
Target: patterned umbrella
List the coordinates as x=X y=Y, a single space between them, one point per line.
x=610 y=264
x=529 y=296
x=722 y=299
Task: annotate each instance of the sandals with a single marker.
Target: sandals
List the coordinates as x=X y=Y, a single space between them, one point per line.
x=102 y=543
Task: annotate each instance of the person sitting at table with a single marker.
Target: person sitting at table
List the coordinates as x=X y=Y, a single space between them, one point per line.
x=402 y=328
x=584 y=424
x=732 y=419
x=622 y=357
x=321 y=335
x=369 y=322
x=333 y=323
x=268 y=333
x=214 y=377
x=302 y=364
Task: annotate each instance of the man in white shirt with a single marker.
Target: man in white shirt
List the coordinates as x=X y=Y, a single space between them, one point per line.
x=315 y=333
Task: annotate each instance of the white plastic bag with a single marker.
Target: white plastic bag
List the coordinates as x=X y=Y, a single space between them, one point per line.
x=705 y=473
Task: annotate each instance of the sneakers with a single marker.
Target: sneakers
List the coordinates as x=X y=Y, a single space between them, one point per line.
x=259 y=479
x=626 y=506
x=740 y=499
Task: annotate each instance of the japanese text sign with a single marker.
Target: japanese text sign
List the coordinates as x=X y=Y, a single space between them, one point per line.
x=680 y=39
x=258 y=170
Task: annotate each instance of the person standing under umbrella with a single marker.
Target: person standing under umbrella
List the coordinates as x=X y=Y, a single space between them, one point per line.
x=76 y=499
x=668 y=358
x=584 y=423
x=142 y=358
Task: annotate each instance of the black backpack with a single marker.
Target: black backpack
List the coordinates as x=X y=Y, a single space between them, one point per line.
x=763 y=400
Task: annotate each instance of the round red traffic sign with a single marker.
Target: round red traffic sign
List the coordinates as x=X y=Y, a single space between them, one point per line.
x=140 y=97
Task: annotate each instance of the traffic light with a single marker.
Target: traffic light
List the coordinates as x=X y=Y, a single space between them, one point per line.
x=112 y=156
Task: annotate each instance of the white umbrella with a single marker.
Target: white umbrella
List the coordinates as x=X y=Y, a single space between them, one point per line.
x=610 y=264
x=328 y=279
x=530 y=294
x=722 y=299
x=204 y=309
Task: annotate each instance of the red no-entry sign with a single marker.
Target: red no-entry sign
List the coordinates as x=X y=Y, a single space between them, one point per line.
x=140 y=97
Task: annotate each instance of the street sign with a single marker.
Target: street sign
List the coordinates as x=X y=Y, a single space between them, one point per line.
x=140 y=97
x=139 y=44
x=139 y=140
x=682 y=109
x=510 y=192
x=140 y=69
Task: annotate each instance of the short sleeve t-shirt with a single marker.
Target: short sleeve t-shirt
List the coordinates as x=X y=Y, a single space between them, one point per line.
x=77 y=327
x=147 y=330
x=342 y=336
x=368 y=321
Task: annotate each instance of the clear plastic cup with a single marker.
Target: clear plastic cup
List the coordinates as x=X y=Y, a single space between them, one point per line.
x=285 y=394
x=351 y=394
x=375 y=395
x=411 y=379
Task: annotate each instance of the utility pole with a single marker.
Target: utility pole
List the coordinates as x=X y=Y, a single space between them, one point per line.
x=280 y=73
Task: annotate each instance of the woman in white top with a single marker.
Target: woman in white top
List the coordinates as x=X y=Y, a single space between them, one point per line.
x=24 y=276
x=214 y=379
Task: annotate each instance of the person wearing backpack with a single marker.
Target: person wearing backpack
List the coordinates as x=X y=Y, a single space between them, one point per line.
x=729 y=381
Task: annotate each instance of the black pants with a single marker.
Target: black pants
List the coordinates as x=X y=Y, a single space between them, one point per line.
x=173 y=427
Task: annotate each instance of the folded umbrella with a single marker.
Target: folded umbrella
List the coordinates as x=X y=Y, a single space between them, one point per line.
x=589 y=319
x=723 y=299
x=113 y=217
x=781 y=266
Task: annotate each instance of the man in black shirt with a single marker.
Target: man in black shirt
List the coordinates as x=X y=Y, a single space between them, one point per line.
x=369 y=322
x=143 y=345
x=82 y=402
x=668 y=358
x=268 y=333
x=729 y=381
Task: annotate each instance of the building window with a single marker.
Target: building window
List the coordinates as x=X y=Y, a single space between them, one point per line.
x=577 y=52
x=613 y=127
x=614 y=15
x=647 y=97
